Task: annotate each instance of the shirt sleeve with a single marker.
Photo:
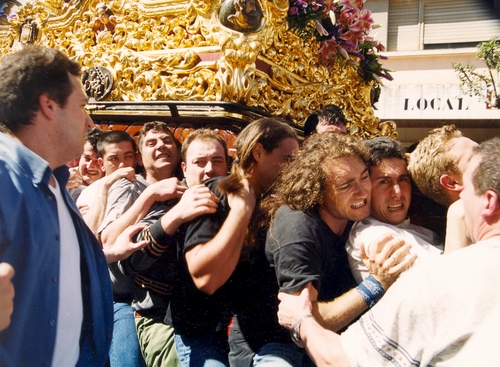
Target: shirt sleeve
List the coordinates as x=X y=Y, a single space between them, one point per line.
x=292 y=247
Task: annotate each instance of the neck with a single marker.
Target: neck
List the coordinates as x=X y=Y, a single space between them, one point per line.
x=153 y=177
x=337 y=225
x=35 y=141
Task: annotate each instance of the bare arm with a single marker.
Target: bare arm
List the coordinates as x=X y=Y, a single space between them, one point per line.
x=160 y=235
x=161 y=191
x=124 y=245
x=322 y=345
x=385 y=264
x=212 y=263
x=95 y=213
x=456 y=233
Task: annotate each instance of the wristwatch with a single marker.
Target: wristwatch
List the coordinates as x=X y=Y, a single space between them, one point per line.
x=296 y=328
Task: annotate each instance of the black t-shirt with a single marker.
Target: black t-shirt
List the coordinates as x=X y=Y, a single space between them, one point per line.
x=192 y=312
x=299 y=248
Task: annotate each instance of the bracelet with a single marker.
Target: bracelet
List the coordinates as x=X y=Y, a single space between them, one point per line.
x=296 y=328
x=370 y=290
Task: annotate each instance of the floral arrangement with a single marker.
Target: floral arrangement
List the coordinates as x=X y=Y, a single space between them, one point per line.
x=342 y=27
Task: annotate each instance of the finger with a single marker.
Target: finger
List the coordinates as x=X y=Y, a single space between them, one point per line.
x=403 y=265
x=140 y=244
x=390 y=247
x=362 y=251
x=6 y=271
x=381 y=244
x=400 y=252
x=134 y=229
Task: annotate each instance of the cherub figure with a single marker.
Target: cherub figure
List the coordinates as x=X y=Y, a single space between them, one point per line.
x=105 y=21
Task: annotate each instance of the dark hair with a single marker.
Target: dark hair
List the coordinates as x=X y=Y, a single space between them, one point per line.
x=383 y=147
x=203 y=135
x=107 y=10
x=268 y=131
x=155 y=126
x=113 y=137
x=310 y=124
x=93 y=136
x=27 y=74
x=302 y=185
x=332 y=114
x=486 y=176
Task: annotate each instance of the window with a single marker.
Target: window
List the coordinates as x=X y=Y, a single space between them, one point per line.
x=436 y=24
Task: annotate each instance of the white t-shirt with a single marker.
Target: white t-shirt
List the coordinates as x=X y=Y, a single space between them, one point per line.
x=70 y=307
x=426 y=317
x=370 y=231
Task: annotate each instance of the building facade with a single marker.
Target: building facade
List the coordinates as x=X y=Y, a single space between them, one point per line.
x=423 y=38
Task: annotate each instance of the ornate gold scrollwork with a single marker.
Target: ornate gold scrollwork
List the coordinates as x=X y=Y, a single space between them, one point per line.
x=180 y=50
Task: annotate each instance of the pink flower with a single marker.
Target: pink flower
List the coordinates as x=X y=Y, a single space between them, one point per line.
x=328 y=48
x=321 y=30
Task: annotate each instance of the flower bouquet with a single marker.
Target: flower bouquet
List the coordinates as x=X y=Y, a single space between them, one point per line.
x=342 y=27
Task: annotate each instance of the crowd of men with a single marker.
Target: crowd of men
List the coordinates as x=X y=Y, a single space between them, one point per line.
x=152 y=253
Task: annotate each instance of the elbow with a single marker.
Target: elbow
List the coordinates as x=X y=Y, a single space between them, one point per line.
x=205 y=285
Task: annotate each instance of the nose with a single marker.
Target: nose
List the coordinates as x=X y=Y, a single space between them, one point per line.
x=209 y=169
x=396 y=191
x=364 y=189
x=88 y=121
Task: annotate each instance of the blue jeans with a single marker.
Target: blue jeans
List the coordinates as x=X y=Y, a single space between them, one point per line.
x=281 y=355
x=209 y=350
x=124 y=351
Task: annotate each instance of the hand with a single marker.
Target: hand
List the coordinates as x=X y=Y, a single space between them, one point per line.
x=293 y=307
x=392 y=256
x=75 y=178
x=170 y=188
x=196 y=201
x=6 y=294
x=244 y=198
x=124 y=245
x=124 y=172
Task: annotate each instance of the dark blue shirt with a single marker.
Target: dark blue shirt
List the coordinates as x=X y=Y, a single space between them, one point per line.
x=30 y=242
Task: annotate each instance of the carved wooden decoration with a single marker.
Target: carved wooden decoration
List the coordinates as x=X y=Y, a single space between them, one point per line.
x=197 y=50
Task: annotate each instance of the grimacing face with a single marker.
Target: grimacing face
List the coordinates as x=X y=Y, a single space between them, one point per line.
x=348 y=189
x=391 y=191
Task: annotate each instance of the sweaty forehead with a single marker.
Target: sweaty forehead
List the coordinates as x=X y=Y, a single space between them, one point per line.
x=339 y=169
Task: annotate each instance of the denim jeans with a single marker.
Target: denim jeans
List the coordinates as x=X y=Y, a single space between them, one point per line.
x=209 y=350
x=281 y=355
x=124 y=351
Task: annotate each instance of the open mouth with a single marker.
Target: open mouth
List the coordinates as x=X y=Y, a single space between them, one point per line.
x=395 y=207
x=358 y=205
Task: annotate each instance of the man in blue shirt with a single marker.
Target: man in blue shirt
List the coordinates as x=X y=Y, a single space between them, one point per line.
x=63 y=311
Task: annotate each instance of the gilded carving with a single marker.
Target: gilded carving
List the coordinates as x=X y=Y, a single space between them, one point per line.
x=182 y=50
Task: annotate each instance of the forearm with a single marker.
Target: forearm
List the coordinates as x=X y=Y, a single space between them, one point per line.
x=95 y=214
x=341 y=311
x=323 y=346
x=130 y=217
x=212 y=263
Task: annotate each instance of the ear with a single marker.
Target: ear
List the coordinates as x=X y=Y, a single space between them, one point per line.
x=450 y=183
x=258 y=152
x=47 y=106
x=138 y=158
x=101 y=164
x=183 y=167
x=492 y=206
